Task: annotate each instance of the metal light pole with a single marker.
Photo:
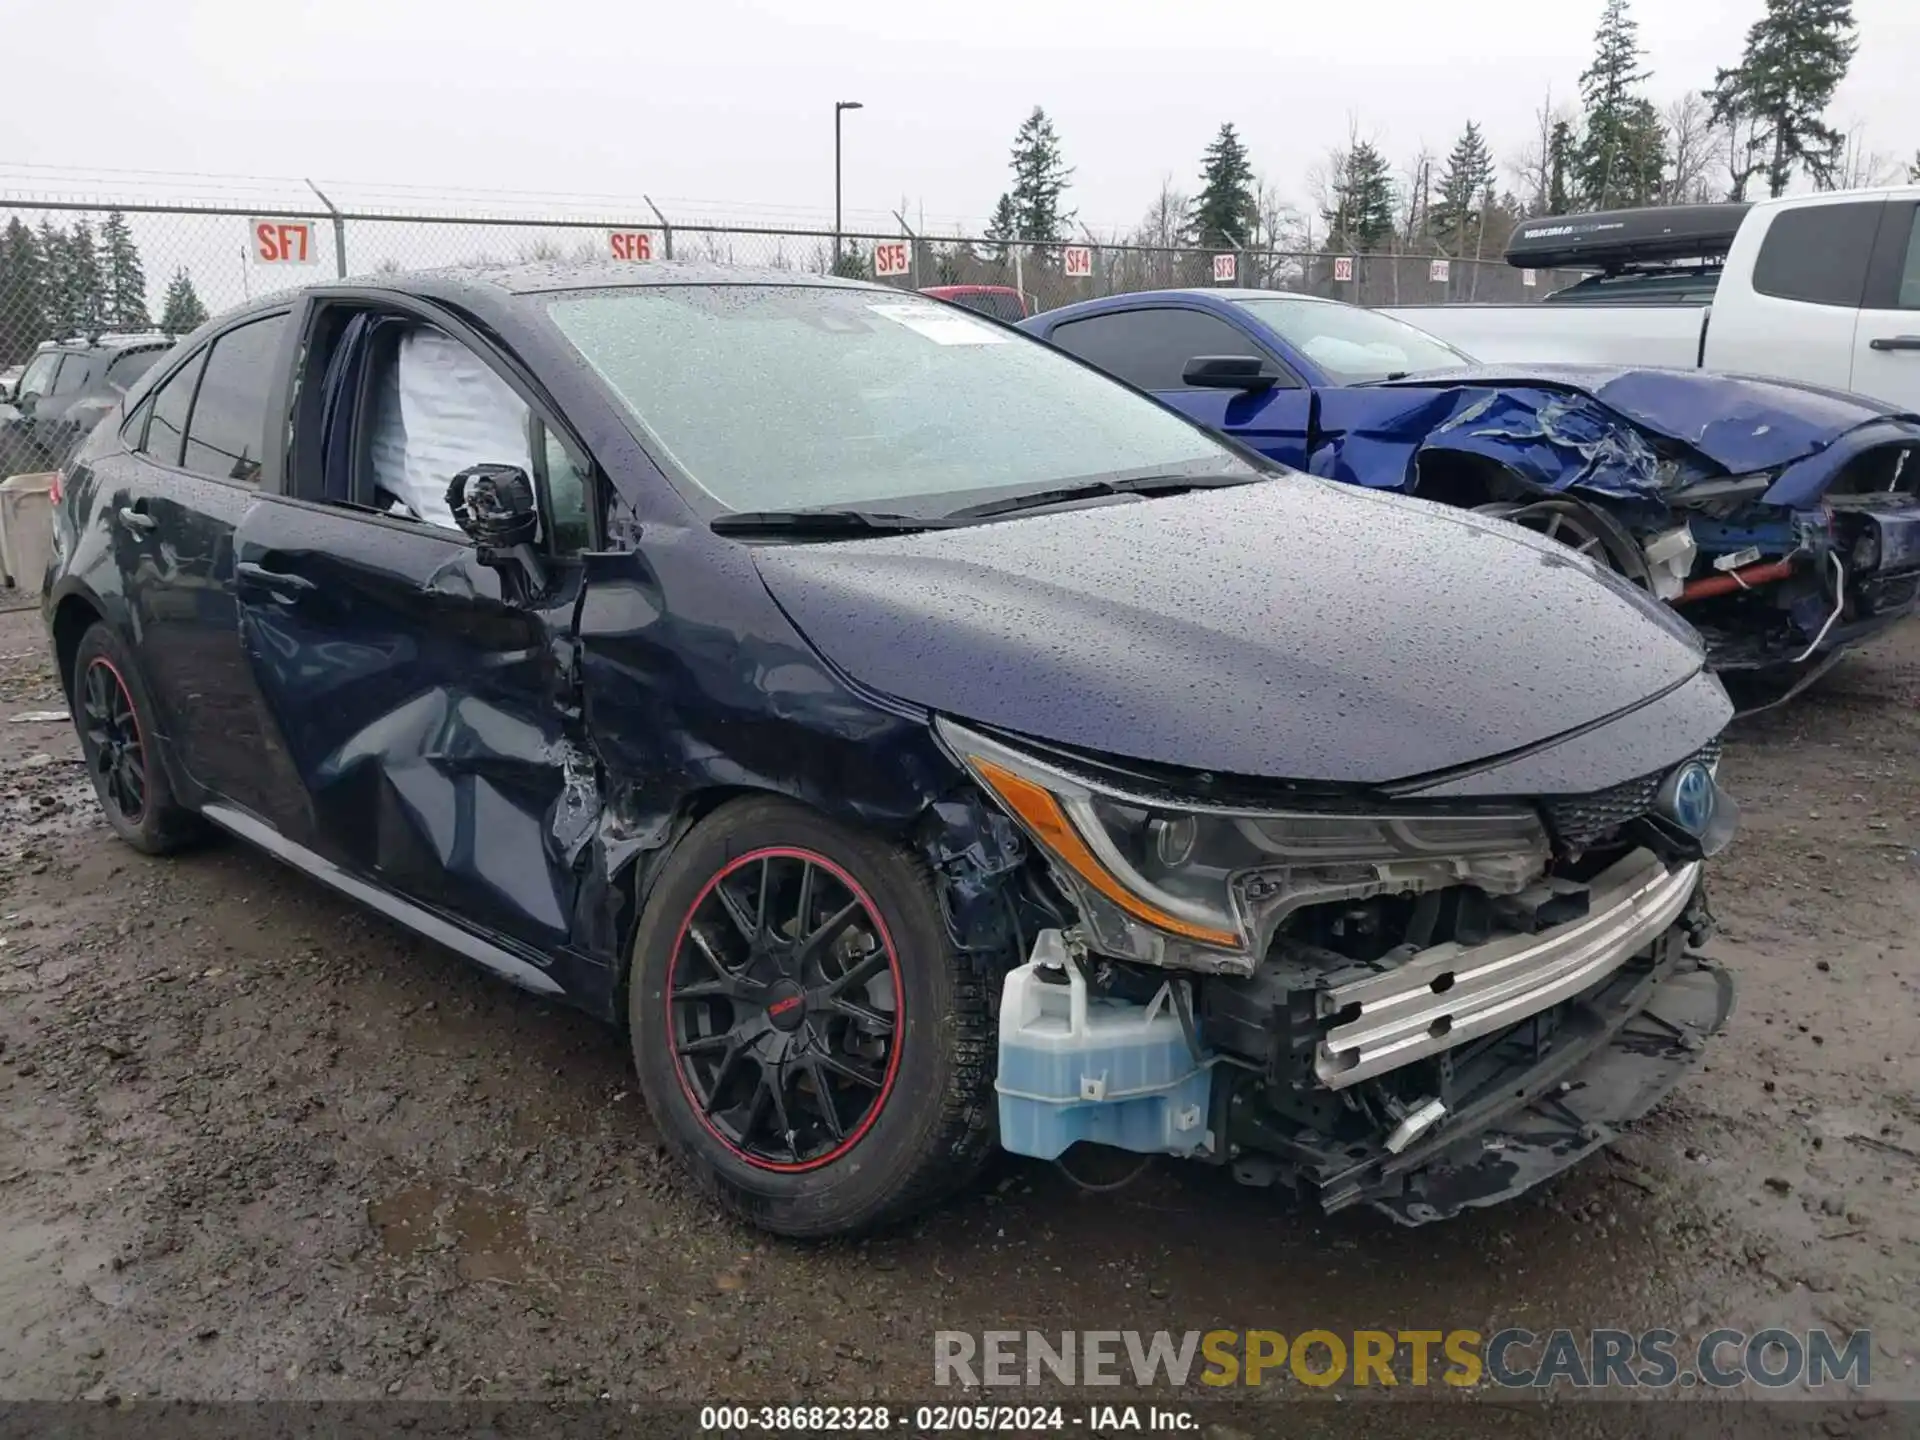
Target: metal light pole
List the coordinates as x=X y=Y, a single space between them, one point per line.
x=838 y=107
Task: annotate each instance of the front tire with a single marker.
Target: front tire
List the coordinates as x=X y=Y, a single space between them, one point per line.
x=115 y=721
x=813 y=1048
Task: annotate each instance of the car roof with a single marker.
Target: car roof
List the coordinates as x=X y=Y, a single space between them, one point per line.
x=1208 y=296
x=144 y=339
x=543 y=276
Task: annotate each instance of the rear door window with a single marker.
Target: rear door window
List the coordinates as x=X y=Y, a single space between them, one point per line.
x=167 y=427
x=75 y=372
x=38 y=378
x=226 y=431
x=128 y=368
x=1819 y=253
x=1150 y=348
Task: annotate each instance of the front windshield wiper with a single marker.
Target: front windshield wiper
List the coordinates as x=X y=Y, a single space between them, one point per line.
x=823 y=523
x=1092 y=489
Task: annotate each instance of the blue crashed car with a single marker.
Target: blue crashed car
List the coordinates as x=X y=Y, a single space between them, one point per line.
x=1782 y=520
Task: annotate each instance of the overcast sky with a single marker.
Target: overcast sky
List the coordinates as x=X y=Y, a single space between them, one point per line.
x=731 y=100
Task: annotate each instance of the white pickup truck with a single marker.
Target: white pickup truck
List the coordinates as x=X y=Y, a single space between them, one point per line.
x=1821 y=288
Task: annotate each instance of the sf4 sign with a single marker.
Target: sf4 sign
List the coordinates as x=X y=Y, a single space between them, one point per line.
x=1343 y=268
x=1223 y=269
x=891 y=258
x=630 y=244
x=1077 y=261
x=283 y=242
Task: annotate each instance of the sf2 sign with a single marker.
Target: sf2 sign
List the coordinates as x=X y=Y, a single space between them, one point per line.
x=630 y=244
x=283 y=242
x=1343 y=267
x=1078 y=262
x=891 y=258
x=1223 y=269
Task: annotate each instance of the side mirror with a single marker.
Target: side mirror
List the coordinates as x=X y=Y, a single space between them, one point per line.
x=495 y=506
x=1229 y=372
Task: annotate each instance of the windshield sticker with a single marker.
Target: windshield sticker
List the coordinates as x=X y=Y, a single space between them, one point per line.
x=940 y=326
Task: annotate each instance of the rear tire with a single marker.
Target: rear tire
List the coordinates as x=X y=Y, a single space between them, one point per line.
x=114 y=719
x=818 y=1088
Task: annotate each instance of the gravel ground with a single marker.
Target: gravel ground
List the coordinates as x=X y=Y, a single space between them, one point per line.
x=255 y=1143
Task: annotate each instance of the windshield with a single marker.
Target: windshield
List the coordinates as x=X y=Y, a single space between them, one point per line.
x=1353 y=345
x=783 y=397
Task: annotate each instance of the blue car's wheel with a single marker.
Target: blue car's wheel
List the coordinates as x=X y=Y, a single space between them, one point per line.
x=812 y=1046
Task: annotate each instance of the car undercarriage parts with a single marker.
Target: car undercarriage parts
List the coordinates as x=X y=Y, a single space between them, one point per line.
x=1076 y=1066
x=1669 y=556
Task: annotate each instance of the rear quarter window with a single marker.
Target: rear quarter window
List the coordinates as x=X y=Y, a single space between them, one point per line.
x=1819 y=253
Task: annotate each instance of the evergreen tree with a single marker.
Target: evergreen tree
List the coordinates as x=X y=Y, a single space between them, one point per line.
x=182 y=310
x=1225 y=212
x=1913 y=170
x=125 y=279
x=1562 y=156
x=1040 y=179
x=1468 y=180
x=85 y=293
x=1796 y=56
x=1623 y=152
x=1361 y=215
x=24 y=322
x=1004 y=224
x=57 y=304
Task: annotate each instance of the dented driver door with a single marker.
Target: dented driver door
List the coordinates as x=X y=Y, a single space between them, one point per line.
x=427 y=713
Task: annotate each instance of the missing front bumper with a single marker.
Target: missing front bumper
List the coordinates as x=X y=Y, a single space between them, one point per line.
x=1620 y=1051
x=1449 y=994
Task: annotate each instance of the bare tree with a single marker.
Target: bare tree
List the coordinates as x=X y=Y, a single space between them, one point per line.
x=1416 y=210
x=1532 y=169
x=1282 y=235
x=1691 y=150
x=1741 y=146
x=1860 y=167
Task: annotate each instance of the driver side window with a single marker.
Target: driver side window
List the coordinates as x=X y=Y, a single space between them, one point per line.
x=403 y=407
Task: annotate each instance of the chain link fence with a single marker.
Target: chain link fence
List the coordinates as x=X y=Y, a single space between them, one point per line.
x=72 y=268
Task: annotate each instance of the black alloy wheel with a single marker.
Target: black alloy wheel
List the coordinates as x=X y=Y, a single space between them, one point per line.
x=116 y=751
x=783 y=1007
x=812 y=1045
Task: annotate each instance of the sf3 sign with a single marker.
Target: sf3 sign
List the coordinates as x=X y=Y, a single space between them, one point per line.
x=1077 y=262
x=630 y=244
x=891 y=258
x=1223 y=269
x=283 y=242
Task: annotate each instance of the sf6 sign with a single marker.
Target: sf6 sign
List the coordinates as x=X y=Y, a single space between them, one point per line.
x=630 y=244
x=283 y=242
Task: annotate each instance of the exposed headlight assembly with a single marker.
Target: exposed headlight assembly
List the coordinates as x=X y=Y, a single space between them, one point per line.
x=1197 y=887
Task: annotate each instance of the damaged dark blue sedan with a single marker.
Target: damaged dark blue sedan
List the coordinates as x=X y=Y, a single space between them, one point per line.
x=915 y=739
x=1782 y=520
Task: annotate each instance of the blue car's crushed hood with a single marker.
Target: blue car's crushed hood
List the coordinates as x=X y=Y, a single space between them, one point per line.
x=1558 y=426
x=1284 y=629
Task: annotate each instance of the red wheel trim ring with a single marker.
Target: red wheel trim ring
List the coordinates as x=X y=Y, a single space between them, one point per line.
x=780 y=852
x=139 y=730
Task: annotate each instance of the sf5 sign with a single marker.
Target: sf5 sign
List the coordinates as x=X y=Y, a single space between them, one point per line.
x=891 y=258
x=283 y=242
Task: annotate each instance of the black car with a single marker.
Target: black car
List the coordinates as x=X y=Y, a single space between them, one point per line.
x=914 y=737
x=64 y=390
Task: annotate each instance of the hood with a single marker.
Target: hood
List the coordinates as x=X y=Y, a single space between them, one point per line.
x=1289 y=629
x=1741 y=423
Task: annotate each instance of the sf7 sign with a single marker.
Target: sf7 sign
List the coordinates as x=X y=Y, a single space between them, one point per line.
x=283 y=242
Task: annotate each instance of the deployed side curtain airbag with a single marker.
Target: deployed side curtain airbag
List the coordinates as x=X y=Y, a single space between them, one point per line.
x=438 y=410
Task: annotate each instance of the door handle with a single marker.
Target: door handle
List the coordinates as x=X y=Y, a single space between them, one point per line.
x=135 y=519
x=1894 y=342
x=275 y=580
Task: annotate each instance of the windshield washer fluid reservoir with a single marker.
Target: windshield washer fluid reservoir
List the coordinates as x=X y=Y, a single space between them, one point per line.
x=1079 y=1067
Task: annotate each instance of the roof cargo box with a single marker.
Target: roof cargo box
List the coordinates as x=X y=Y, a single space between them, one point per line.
x=1613 y=240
